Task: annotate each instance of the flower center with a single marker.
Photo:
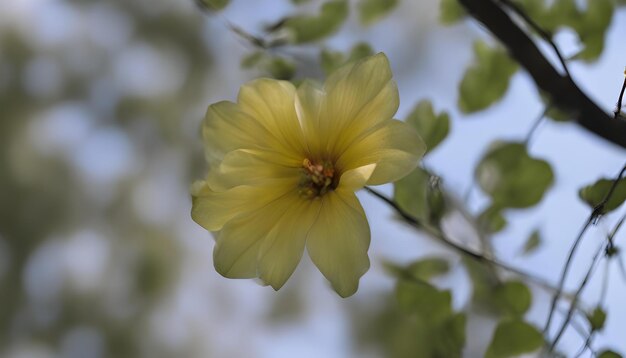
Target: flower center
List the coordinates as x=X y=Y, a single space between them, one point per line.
x=317 y=178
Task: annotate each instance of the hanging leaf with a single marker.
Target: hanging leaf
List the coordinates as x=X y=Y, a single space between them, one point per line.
x=252 y=59
x=431 y=127
x=596 y=319
x=419 y=195
x=609 y=354
x=309 y=28
x=511 y=177
x=280 y=68
x=513 y=298
x=487 y=80
x=491 y=220
x=332 y=60
x=532 y=243
x=451 y=12
x=410 y=193
x=512 y=338
x=371 y=11
x=212 y=5
x=424 y=300
x=595 y=193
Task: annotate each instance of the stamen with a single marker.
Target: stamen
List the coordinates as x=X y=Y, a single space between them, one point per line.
x=318 y=178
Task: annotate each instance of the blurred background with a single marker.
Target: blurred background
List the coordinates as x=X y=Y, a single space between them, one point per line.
x=100 y=108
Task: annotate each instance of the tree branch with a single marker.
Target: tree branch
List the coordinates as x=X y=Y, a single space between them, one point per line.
x=564 y=93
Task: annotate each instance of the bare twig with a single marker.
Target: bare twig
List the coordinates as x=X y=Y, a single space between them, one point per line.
x=591 y=219
x=536 y=124
x=618 y=108
x=580 y=289
x=565 y=271
x=545 y=35
x=438 y=234
x=563 y=92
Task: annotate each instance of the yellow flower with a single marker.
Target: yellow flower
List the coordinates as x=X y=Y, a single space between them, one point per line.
x=285 y=164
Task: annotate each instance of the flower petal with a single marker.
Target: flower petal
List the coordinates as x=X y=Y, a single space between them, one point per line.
x=353 y=88
x=212 y=209
x=237 y=245
x=393 y=145
x=226 y=127
x=251 y=167
x=282 y=249
x=355 y=179
x=272 y=103
x=308 y=104
x=339 y=240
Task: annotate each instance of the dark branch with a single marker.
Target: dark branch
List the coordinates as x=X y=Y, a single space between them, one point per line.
x=547 y=37
x=563 y=92
x=438 y=234
x=618 y=109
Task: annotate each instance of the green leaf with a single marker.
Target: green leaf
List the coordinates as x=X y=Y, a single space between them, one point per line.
x=487 y=80
x=411 y=193
x=491 y=220
x=596 y=319
x=609 y=354
x=332 y=60
x=252 y=59
x=513 y=298
x=359 y=51
x=427 y=268
x=450 y=12
x=372 y=10
x=431 y=127
x=532 y=243
x=309 y=28
x=511 y=177
x=513 y=338
x=419 y=195
x=213 y=5
x=424 y=300
x=595 y=193
x=280 y=69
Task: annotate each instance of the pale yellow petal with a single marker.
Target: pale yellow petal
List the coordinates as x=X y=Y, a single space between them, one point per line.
x=394 y=146
x=339 y=240
x=237 y=245
x=212 y=209
x=355 y=179
x=282 y=249
x=352 y=89
x=382 y=108
x=308 y=103
x=252 y=167
x=226 y=127
x=272 y=104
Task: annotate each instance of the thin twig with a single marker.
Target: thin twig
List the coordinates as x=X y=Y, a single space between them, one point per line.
x=591 y=219
x=565 y=271
x=605 y=285
x=580 y=289
x=445 y=240
x=618 y=109
x=535 y=125
x=545 y=35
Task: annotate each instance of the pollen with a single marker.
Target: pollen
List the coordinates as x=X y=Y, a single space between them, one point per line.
x=317 y=178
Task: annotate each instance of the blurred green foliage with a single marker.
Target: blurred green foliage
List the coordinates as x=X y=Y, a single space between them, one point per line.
x=595 y=194
x=372 y=10
x=433 y=128
x=513 y=338
x=486 y=81
x=511 y=177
